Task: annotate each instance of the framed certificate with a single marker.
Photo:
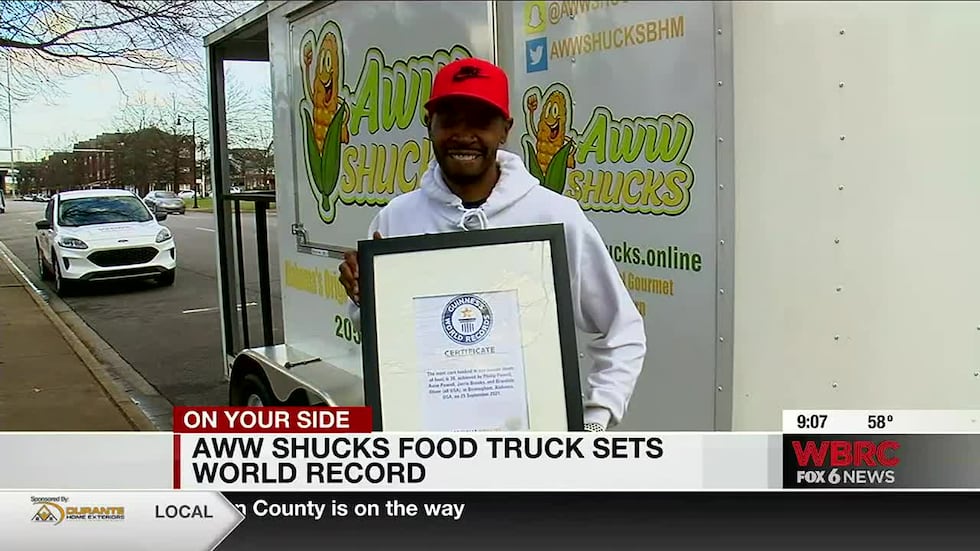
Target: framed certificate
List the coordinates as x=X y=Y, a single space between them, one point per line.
x=470 y=331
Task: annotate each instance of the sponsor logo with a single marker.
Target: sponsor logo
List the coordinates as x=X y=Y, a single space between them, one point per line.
x=55 y=510
x=49 y=513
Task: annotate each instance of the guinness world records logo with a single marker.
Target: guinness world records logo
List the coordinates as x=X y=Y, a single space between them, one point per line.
x=467 y=319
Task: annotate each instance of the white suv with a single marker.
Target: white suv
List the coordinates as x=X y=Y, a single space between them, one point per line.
x=103 y=234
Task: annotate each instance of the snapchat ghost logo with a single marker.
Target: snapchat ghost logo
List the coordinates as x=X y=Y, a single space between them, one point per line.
x=534 y=17
x=535 y=20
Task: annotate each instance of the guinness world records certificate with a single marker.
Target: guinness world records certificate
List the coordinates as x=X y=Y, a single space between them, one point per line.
x=470 y=331
x=470 y=348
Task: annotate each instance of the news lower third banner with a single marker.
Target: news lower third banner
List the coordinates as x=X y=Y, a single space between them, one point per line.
x=559 y=462
x=316 y=449
x=478 y=462
x=231 y=475
x=330 y=449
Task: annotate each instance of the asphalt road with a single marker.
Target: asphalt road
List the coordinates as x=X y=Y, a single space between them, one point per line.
x=171 y=336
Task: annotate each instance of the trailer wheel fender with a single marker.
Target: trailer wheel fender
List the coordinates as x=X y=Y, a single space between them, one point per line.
x=249 y=386
x=299 y=397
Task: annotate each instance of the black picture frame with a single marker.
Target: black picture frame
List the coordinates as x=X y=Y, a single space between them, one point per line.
x=553 y=234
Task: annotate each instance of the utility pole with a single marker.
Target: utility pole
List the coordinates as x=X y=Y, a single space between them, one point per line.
x=193 y=155
x=194 y=159
x=10 y=122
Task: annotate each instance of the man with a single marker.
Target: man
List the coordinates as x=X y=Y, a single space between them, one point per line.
x=472 y=185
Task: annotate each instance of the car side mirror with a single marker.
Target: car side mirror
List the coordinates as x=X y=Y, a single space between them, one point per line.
x=42 y=225
x=161 y=216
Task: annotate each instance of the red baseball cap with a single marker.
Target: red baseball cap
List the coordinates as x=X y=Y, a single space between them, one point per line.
x=473 y=78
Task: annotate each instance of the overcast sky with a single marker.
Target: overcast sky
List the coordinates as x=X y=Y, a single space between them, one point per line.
x=90 y=104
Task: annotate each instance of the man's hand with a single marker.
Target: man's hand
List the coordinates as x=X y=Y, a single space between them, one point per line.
x=349 y=274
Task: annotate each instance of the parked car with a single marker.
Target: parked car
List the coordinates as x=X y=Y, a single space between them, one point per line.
x=186 y=194
x=99 y=235
x=165 y=201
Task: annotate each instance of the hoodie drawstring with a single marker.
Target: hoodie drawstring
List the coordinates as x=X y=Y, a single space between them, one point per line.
x=471 y=214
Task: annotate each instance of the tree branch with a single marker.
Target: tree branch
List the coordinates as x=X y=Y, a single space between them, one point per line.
x=46 y=40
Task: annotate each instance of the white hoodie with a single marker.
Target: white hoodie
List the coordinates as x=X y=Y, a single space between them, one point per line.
x=601 y=302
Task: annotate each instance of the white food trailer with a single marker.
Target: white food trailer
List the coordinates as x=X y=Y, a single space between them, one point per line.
x=788 y=188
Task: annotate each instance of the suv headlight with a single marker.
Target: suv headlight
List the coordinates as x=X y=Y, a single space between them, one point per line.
x=72 y=243
x=164 y=235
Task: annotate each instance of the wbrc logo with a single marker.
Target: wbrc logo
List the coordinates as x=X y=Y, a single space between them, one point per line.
x=846 y=461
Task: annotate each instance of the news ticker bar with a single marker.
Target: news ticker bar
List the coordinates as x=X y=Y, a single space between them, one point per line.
x=881 y=421
x=58 y=519
x=192 y=521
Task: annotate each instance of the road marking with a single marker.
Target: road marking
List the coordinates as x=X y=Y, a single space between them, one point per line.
x=212 y=309
x=205 y=229
x=199 y=310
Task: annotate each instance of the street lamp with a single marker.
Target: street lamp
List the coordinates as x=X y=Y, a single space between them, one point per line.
x=193 y=157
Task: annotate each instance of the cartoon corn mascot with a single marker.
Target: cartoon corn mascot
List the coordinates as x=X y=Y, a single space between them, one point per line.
x=552 y=151
x=328 y=128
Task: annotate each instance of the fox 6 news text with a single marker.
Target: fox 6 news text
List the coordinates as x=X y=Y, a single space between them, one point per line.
x=840 y=461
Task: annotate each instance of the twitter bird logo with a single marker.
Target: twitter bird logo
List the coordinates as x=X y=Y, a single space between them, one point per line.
x=536 y=54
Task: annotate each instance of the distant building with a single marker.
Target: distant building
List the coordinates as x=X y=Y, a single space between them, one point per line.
x=139 y=161
x=96 y=159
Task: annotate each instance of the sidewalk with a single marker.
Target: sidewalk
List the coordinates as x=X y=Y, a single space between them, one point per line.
x=45 y=384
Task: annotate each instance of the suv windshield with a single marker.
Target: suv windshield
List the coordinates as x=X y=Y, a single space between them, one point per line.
x=87 y=211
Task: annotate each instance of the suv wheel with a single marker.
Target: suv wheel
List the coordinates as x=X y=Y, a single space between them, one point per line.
x=62 y=286
x=42 y=268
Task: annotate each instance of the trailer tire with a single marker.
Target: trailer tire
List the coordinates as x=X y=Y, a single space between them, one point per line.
x=253 y=391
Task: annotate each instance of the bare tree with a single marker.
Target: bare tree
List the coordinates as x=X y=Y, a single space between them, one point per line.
x=149 y=156
x=246 y=111
x=139 y=111
x=63 y=142
x=45 y=41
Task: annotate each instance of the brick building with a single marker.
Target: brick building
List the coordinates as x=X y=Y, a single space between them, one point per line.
x=96 y=159
x=139 y=161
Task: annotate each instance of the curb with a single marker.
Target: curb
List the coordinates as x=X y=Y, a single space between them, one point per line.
x=137 y=418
